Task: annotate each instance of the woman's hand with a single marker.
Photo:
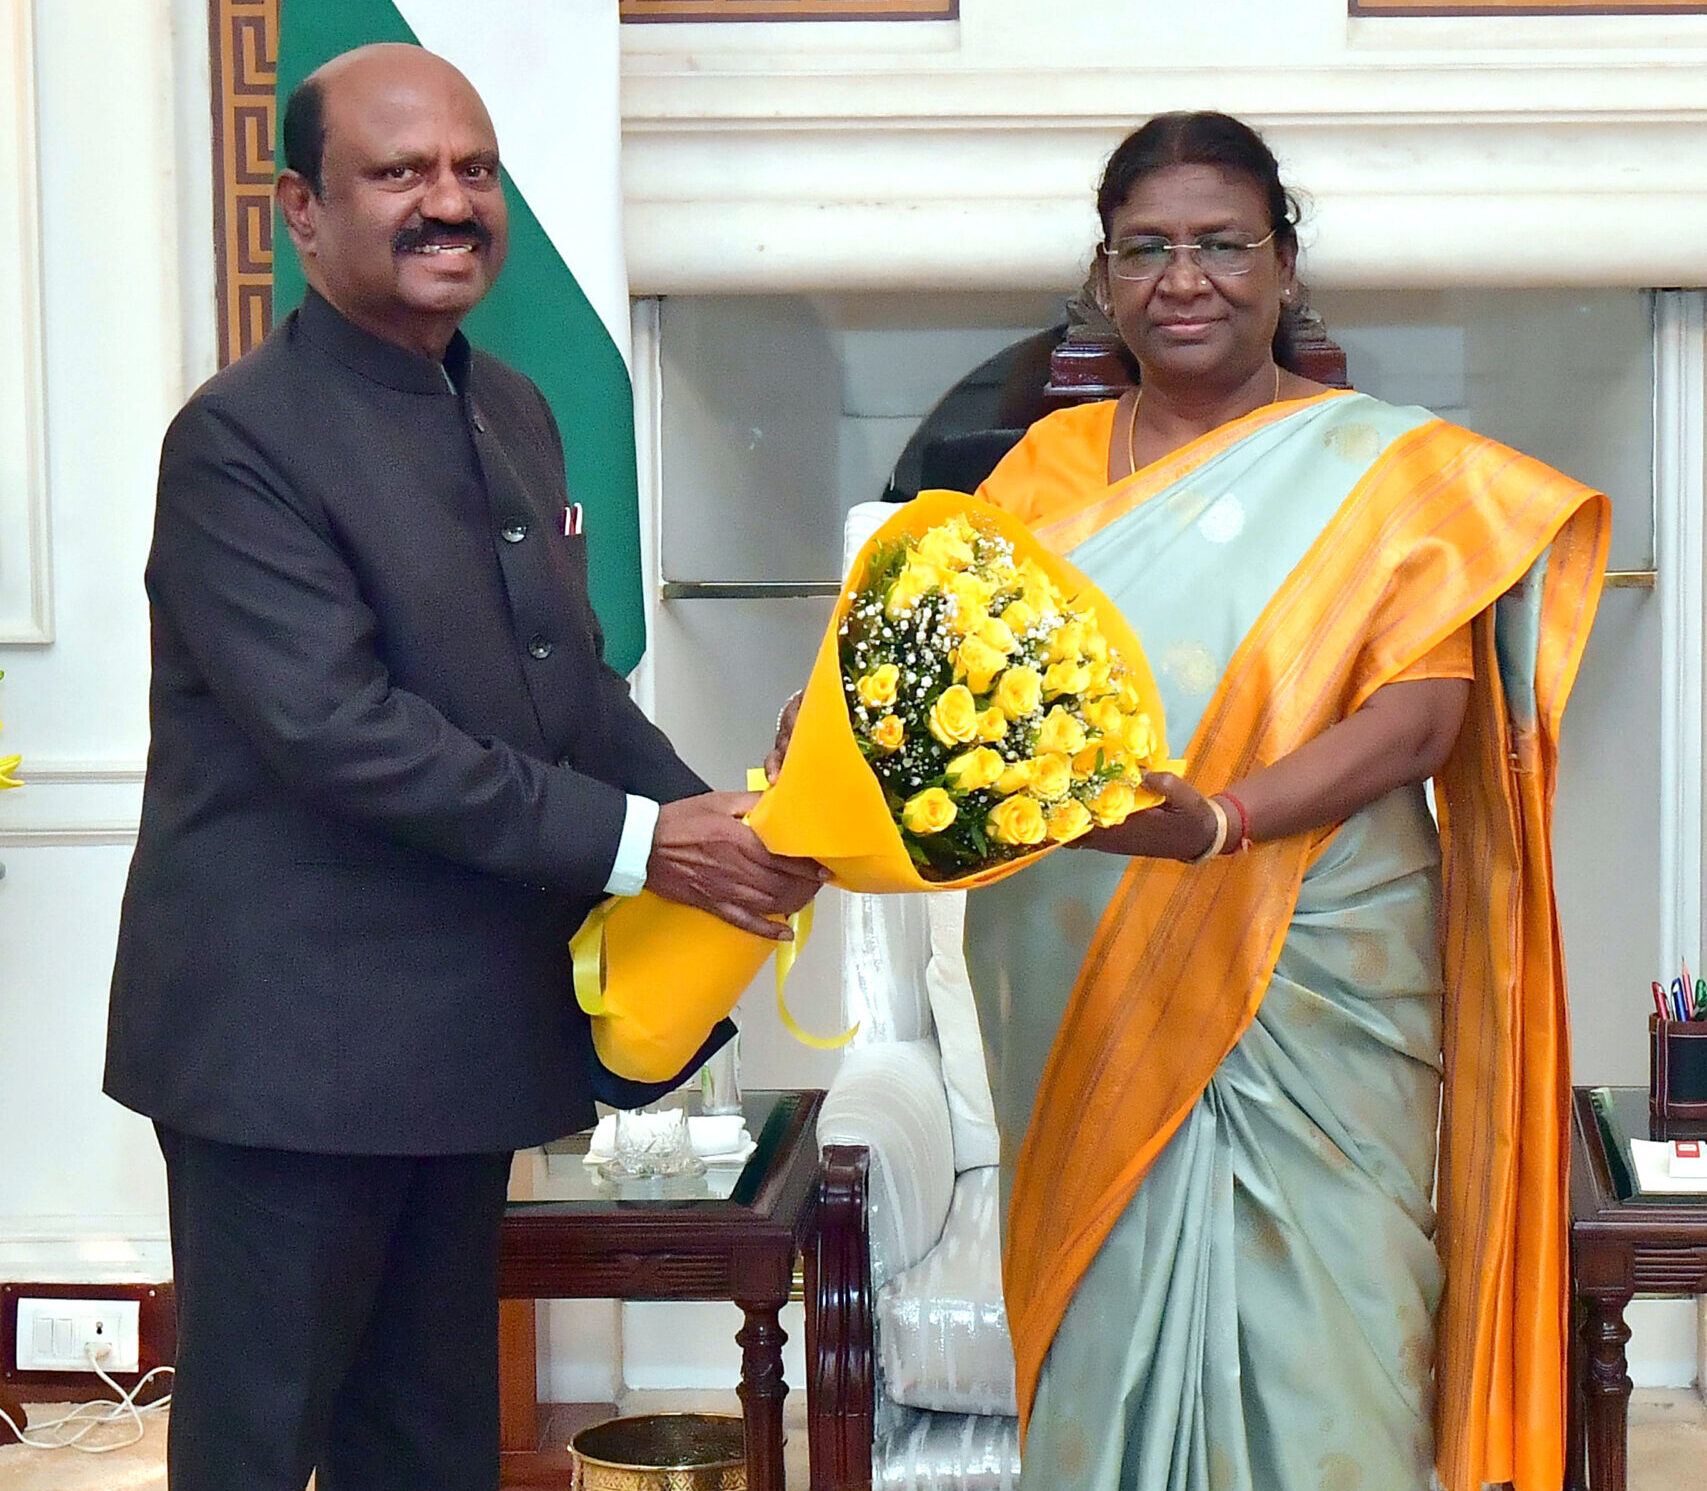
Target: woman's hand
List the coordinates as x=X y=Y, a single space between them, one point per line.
x=784 y=733
x=1182 y=826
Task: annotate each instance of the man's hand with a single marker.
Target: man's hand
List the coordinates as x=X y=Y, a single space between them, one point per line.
x=784 y=734
x=704 y=855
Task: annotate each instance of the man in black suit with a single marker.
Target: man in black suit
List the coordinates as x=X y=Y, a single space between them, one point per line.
x=390 y=773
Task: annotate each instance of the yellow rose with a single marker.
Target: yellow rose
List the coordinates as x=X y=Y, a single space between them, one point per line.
x=972 y=771
x=1096 y=645
x=1017 y=820
x=1132 y=768
x=1016 y=777
x=1139 y=737
x=1068 y=820
x=1095 y=755
x=992 y=725
x=1101 y=680
x=1019 y=692
x=1113 y=804
x=1051 y=776
x=888 y=733
x=979 y=663
x=999 y=635
x=1019 y=617
x=1060 y=732
x=1065 y=678
x=915 y=581
x=970 y=595
x=1128 y=697
x=1040 y=591
x=877 y=688
x=1105 y=718
x=954 y=716
x=946 y=549
x=1066 y=643
x=928 y=812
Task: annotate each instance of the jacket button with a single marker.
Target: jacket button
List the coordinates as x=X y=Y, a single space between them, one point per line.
x=540 y=647
x=565 y=762
x=514 y=531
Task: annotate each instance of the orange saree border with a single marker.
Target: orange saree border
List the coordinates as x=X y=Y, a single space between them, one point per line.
x=1071 y=523
x=1435 y=532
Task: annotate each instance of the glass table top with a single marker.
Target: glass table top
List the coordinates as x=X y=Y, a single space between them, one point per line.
x=1622 y=1115
x=560 y=1172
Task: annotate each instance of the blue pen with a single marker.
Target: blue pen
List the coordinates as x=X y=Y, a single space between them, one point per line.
x=1679 y=999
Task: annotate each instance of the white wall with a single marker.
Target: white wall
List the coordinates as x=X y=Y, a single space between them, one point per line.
x=1475 y=152
x=81 y=1190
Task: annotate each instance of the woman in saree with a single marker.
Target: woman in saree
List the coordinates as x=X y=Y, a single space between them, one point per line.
x=1232 y=1029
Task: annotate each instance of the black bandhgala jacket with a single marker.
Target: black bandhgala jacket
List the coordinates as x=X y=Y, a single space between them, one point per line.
x=387 y=773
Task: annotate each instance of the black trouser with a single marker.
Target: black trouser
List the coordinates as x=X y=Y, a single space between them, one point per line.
x=336 y=1314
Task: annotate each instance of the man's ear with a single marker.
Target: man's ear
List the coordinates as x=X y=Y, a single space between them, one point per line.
x=296 y=203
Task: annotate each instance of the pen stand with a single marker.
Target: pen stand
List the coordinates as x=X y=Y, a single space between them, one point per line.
x=1677 y=1081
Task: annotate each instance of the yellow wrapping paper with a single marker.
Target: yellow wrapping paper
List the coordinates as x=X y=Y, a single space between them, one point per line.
x=655 y=975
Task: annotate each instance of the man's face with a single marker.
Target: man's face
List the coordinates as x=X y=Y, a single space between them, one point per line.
x=411 y=228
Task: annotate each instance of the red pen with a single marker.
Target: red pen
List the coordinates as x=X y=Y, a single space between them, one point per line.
x=1660 y=1001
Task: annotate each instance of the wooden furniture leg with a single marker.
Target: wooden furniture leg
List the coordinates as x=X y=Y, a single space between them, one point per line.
x=1574 y=1447
x=1606 y=1389
x=518 y=1404
x=840 y=1370
x=762 y=1391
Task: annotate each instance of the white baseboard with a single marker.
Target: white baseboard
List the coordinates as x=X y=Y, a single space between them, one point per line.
x=85 y=1250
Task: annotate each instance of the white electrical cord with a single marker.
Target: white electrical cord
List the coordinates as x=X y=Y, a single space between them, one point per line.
x=86 y=1418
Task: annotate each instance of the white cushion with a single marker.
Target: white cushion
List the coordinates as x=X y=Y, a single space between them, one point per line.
x=942 y=1326
x=890 y=1098
x=960 y=1038
x=886 y=947
x=863 y=520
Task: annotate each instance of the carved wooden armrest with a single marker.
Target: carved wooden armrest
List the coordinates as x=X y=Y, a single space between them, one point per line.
x=839 y=1347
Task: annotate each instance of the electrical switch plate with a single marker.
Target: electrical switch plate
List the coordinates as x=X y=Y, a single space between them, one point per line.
x=56 y=1335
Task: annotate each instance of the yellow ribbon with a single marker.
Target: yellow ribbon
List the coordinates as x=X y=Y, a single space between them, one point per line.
x=587 y=955
x=786 y=952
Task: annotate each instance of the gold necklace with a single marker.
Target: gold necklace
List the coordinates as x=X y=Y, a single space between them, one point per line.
x=1132 y=424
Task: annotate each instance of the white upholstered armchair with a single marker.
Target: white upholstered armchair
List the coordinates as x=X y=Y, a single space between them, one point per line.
x=911 y=1341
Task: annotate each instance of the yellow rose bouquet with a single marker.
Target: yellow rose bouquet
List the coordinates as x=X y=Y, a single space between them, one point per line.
x=976 y=702
x=988 y=702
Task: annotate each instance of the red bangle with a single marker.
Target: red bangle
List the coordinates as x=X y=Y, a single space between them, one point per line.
x=1244 y=839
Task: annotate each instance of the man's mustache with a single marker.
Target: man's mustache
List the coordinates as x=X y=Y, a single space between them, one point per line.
x=430 y=231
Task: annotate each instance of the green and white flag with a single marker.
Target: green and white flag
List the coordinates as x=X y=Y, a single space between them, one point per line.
x=548 y=71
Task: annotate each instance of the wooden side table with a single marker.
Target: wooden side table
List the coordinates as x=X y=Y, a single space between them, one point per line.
x=731 y=1236
x=1621 y=1246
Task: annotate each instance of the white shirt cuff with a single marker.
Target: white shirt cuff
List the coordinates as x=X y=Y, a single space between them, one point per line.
x=634 y=848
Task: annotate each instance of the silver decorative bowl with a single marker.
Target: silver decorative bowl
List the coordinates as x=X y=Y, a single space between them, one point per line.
x=662 y=1452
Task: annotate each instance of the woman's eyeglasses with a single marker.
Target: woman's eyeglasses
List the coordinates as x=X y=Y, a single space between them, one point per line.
x=1218 y=255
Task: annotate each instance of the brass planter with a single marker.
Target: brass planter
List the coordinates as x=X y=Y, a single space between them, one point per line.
x=661 y=1452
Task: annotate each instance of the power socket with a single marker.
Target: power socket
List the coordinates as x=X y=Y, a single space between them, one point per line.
x=60 y=1335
